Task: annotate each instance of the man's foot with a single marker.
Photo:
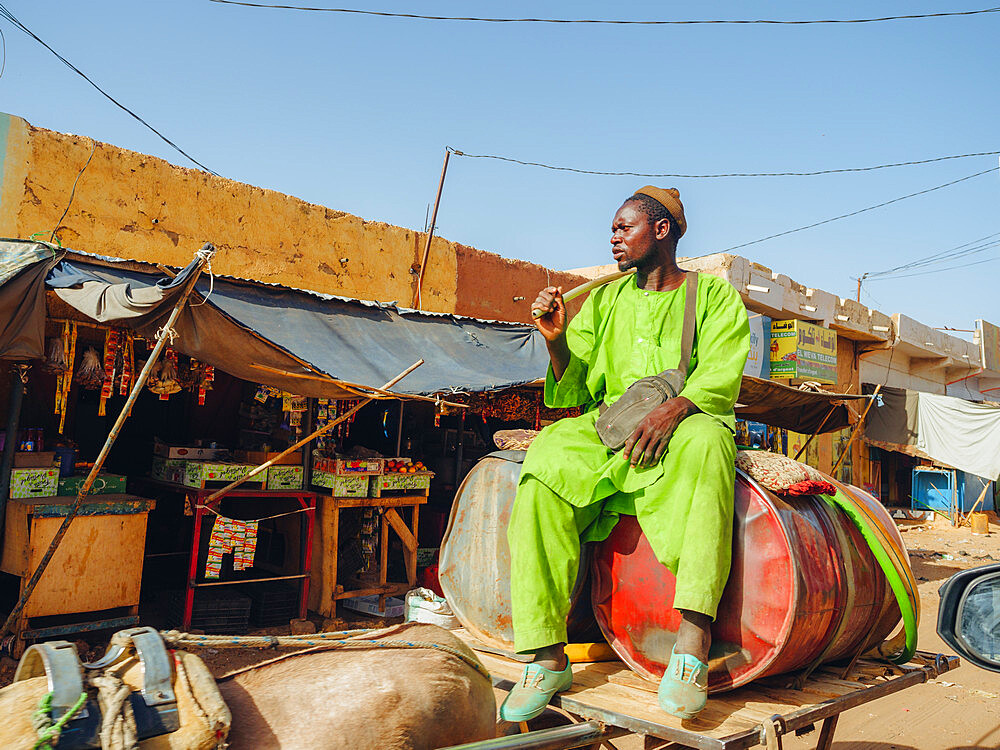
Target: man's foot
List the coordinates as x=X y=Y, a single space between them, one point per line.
x=533 y=692
x=683 y=690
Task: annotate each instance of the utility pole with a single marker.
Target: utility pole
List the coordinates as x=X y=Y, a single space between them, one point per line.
x=417 y=300
x=861 y=280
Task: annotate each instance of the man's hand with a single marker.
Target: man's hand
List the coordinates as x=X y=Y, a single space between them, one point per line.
x=649 y=441
x=553 y=323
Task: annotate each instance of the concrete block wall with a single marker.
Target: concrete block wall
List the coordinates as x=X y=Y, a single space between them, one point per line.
x=134 y=206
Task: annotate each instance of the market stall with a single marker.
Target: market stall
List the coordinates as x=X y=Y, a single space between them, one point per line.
x=236 y=384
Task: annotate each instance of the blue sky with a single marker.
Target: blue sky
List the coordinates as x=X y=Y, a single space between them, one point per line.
x=355 y=112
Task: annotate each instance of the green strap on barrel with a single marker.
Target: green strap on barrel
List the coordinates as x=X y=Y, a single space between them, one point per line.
x=889 y=568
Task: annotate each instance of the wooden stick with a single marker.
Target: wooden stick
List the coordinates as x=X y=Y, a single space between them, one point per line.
x=857 y=427
x=584 y=288
x=809 y=439
x=335 y=381
x=982 y=495
x=166 y=331
x=264 y=466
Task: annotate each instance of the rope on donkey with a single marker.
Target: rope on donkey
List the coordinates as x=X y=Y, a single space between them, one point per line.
x=333 y=640
x=47 y=731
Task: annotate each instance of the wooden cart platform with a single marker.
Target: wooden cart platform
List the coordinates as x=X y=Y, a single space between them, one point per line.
x=610 y=693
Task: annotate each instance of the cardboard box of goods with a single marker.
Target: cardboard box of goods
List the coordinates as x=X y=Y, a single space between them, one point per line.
x=34 y=459
x=369 y=605
x=25 y=483
x=188 y=453
x=104 y=484
x=285 y=477
x=168 y=469
x=196 y=473
x=258 y=457
x=419 y=480
x=341 y=486
x=349 y=466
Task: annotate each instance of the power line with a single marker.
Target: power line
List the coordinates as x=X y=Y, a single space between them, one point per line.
x=717 y=175
x=10 y=17
x=860 y=211
x=620 y=22
x=977 y=246
x=939 y=270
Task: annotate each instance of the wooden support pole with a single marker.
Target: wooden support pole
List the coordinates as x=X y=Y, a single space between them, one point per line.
x=204 y=256
x=805 y=445
x=857 y=427
x=417 y=300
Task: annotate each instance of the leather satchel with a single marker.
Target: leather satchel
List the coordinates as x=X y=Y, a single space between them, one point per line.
x=618 y=422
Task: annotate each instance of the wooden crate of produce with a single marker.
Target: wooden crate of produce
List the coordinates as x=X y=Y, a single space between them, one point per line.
x=401 y=483
x=345 y=466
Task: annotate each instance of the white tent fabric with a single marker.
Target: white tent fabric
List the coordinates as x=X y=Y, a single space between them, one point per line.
x=960 y=433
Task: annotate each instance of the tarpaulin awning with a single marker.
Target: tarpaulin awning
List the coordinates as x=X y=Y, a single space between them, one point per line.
x=806 y=411
x=952 y=431
x=304 y=342
x=23 y=268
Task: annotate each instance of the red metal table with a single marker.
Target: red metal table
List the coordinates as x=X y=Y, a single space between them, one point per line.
x=197 y=500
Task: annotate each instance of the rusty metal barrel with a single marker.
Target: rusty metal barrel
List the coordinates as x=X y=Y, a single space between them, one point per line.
x=474 y=565
x=804 y=588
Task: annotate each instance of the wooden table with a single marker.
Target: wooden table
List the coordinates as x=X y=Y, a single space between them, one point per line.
x=610 y=693
x=96 y=570
x=327 y=588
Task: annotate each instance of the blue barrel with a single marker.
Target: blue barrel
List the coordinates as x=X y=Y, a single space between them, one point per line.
x=474 y=565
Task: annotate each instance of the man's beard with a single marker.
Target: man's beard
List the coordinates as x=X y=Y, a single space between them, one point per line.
x=643 y=263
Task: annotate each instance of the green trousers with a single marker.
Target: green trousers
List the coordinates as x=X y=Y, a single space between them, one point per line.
x=686 y=515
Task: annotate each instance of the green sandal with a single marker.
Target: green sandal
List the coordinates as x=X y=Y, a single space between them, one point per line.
x=683 y=690
x=529 y=697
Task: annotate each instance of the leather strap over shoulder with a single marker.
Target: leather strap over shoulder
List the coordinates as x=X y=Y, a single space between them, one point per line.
x=690 y=315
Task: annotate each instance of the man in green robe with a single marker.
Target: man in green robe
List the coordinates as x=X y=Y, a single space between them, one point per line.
x=675 y=473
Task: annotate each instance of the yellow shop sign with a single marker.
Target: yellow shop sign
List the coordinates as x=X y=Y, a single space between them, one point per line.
x=803 y=351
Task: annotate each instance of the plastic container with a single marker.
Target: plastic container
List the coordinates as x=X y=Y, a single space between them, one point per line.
x=66 y=458
x=932 y=490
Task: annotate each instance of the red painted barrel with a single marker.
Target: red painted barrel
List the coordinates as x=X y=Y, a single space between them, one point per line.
x=474 y=565
x=803 y=584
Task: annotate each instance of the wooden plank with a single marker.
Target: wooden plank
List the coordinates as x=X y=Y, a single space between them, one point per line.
x=97 y=566
x=403 y=501
x=326 y=532
x=399 y=526
x=609 y=692
x=15 y=541
x=826 y=733
x=383 y=561
x=389 y=589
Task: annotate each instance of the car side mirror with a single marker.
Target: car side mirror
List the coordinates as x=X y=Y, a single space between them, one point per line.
x=969 y=615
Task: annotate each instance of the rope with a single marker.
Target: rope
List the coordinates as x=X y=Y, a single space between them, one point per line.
x=48 y=732
x=206 y=253
x=257 y=520
x=328 y=640
x=164 y=331
x=118 y=730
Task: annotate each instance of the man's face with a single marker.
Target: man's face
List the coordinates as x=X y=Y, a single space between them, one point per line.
x=634 y=237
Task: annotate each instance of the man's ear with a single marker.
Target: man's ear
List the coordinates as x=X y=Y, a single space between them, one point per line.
x=662 y=229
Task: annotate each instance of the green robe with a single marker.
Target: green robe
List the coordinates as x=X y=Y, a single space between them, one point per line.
x=573 y=489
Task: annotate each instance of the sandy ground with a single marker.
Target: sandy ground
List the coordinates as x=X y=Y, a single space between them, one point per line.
x=958 y=711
